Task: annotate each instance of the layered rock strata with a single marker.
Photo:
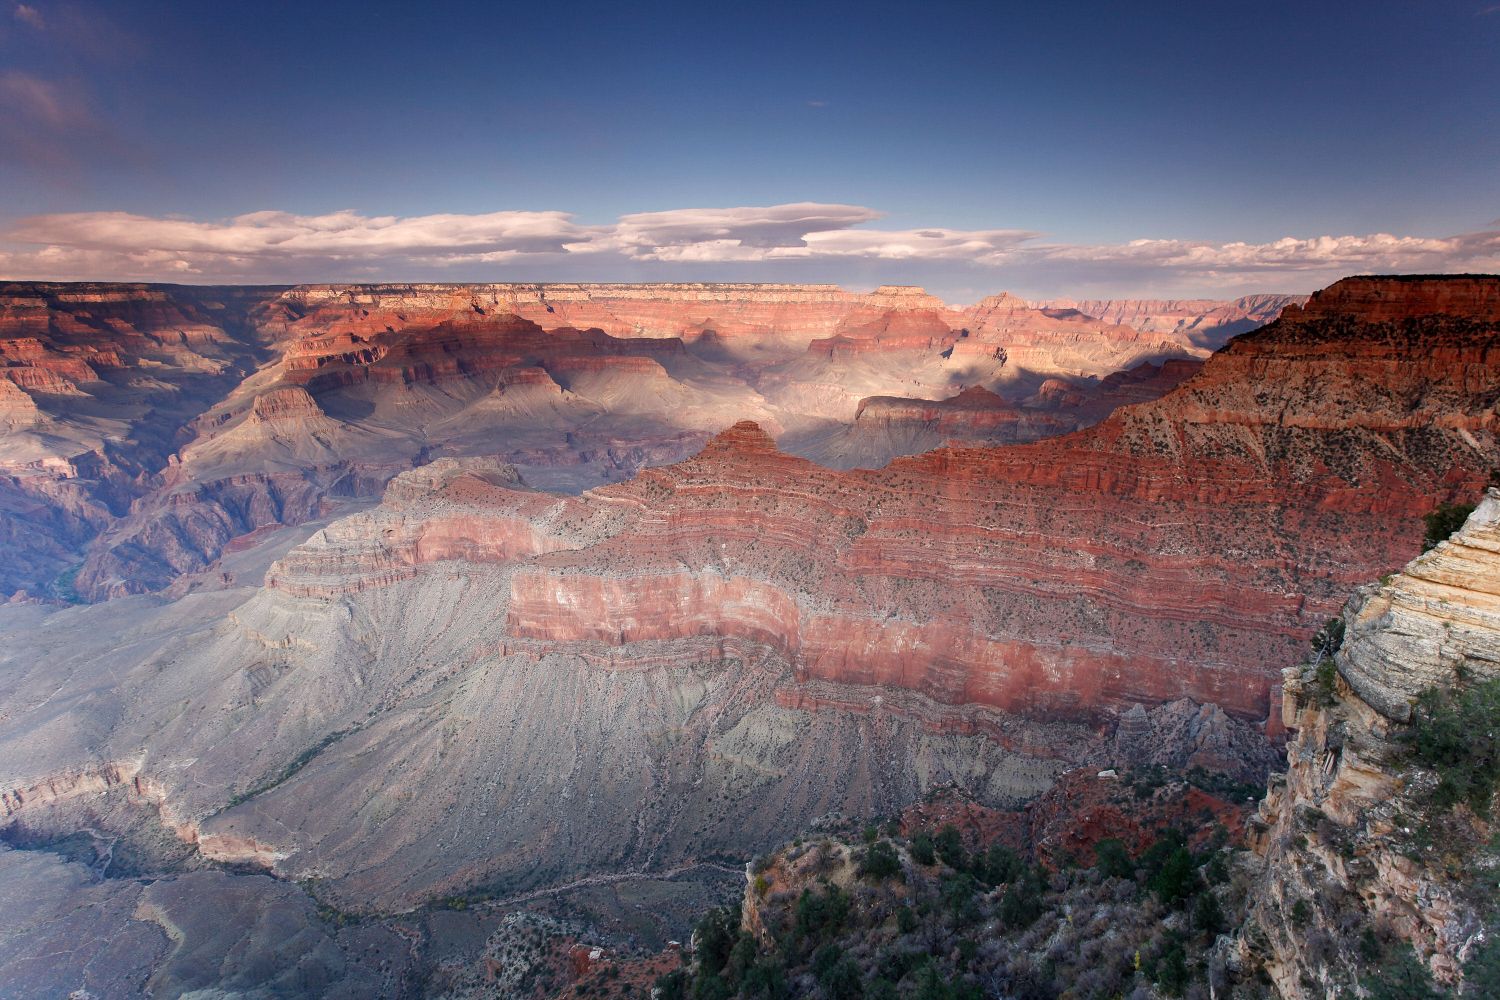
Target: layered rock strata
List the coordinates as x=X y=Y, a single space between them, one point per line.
x=1174 y=550
x=1354 y=850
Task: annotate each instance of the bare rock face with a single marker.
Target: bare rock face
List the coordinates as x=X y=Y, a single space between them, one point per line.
x=1068 y=340
x=96 y=383
x=1205 y=322
x=1348 y=835
x=1183 y=735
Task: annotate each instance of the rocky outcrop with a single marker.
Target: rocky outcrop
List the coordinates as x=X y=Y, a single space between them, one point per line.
x=97 y=382
x=1207 y=323
x=1354 y=850
x=1053 y=340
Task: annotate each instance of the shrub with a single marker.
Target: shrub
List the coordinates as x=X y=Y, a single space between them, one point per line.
x=950 y=847
x=906 y=920
x=1482 y=971
x=821 y=914
x=841 y=981
x=999 y=865
x=1112 y=860
x=922 y=849
x=1172 y=971
x=711 y=987
x=1325 y=683
x=958 y=896
x=825 y=958
x=1443 y=522
x=673 y=986
x=1177 y=879
x=880 y=861
x=1208 y=917
x=765 y=979
x=1022 y=903
x=1327 y=640
x=1400 y=977
x=715 y=938
x=1457 y=735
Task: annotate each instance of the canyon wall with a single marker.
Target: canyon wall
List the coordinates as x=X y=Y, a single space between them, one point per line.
x=1183 y=547
x=477 y=684
x=146 y=428
x=1358 y=857
x=1206 y=322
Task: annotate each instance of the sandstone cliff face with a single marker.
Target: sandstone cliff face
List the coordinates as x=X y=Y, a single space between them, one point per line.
x=697 y=662
x=1205 y=322
x=1346 y=834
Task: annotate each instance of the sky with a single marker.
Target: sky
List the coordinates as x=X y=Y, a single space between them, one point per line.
x=1082 y=149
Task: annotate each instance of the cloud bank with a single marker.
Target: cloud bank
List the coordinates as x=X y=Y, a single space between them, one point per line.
x=283 y=247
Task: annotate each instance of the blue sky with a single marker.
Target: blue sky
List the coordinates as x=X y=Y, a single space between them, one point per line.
x=1063 y=148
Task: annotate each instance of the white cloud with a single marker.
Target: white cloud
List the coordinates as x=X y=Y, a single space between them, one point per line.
x=281 y=234
x=1289 y=255
x=283 y=247
x=646 y=234
x=30 y=16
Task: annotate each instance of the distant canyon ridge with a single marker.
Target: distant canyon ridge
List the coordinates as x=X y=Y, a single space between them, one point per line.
x=145 y=428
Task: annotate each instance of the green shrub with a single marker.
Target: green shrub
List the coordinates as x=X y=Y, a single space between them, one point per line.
x=1022 y=903
x=765 y=979
x=1327 y=640
x=1457 y=735
x=1112 y=860
x=906 y=920
x=711 y=987
x=1482 y=971
x=1177 y=879
x=880 y=861
x=958 y=897
x=1172 y=970
x=922 y=848
x=841 y=981
x=821 y=914
x=1208 y=916
x=998 y=865
x=1325 y=683
x=673 y=986
x=715 y=937
x=1443 y=522
x=1400 y=977
x=950 y=847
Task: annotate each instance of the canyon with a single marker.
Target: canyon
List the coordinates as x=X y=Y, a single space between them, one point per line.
x=388 y=595
x=148 y=427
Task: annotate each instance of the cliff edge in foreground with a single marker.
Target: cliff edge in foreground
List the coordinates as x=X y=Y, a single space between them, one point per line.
x=1378 y=842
